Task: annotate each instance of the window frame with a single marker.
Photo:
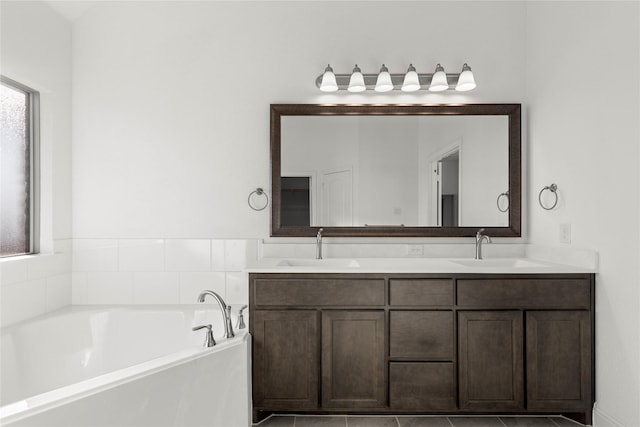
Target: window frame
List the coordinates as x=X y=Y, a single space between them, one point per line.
x=33 y=140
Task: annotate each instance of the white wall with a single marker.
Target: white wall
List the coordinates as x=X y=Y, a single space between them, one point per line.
x=171 y=99
x=171 y=103
x=36 y=51
x=584 y=136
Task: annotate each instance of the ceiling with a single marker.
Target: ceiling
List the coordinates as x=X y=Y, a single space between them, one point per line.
x=71 y=9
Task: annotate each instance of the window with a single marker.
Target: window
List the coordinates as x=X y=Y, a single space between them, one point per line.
x=18 y=168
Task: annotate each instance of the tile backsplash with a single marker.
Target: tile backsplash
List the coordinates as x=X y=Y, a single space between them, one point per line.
x=160 y=271
x=175 y=271
x=386 y=248
x=32 y=285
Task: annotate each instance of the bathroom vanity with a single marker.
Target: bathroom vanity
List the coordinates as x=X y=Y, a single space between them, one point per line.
x=464 y=342
x=421 y=335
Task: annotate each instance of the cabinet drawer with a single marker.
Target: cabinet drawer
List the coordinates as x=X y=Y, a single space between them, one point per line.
x=422 y=386
x=422 y=335
x=319 y=292
x=525 y=293
x=424 y=292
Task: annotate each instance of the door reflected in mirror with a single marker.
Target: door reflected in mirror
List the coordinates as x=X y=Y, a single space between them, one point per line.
x=296 y=200
x=446 y=175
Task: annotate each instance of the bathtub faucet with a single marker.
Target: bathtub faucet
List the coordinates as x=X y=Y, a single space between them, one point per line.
x=226 y=311
x=209 y=341
x=241 y=324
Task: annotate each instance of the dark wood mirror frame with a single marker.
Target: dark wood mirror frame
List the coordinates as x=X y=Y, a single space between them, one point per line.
x=512 y=111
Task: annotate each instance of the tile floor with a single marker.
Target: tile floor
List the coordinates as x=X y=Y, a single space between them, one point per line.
x=410 y=421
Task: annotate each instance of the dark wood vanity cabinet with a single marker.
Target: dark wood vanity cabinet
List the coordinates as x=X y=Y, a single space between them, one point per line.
x=288 y=356
x=535 y=338
x=559 y=360
x=490 y=354
x=319 y=343
x=556 y=345
x=285 y=359
x=423 y=343
x=353 y=359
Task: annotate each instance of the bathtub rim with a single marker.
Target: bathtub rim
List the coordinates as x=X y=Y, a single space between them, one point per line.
x=82 y=308
x=36 y=404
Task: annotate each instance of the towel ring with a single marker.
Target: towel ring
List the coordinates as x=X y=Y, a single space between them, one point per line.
x=259 y=192
x=553 y=188
x=501 y=195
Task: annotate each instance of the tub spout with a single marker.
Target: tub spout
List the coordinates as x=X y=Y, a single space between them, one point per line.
x=226 y=311
x=229 y=327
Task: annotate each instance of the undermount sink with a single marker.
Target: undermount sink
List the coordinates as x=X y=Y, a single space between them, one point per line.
x=500 y=262
x=328 y=262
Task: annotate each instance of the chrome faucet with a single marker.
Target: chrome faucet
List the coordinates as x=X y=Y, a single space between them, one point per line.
x=479 y=239
x=241 y=324
x=209 y=341
x=226 y=311
x=319 y=244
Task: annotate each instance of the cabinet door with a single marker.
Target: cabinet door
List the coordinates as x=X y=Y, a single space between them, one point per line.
x=285 y=359
x=558 y=360
x=490 y=360
x=353 y=359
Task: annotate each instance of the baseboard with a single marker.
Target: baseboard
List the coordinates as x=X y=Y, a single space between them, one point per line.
x=603 y=419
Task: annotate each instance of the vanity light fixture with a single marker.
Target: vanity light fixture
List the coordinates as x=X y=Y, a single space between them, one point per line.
x=439 y=81
x=411 y=81
x=465 y=81
x=356 y=82
x=328 y=83
x=384 y=84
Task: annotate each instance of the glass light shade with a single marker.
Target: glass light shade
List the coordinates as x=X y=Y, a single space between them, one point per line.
x=411 y=82
x=356 y=82
x=439 y=80
x=328 y=83
x=466 y=80
x=384 y=84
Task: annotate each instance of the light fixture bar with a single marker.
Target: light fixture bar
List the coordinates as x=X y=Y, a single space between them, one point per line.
x=397 y=79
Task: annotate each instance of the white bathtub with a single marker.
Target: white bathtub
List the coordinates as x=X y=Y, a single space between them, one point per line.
x=124 y=366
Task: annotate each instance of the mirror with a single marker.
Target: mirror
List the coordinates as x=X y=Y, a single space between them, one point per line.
x=395 y=170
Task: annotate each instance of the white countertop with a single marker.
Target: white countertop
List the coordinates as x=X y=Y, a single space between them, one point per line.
x=414 y=265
